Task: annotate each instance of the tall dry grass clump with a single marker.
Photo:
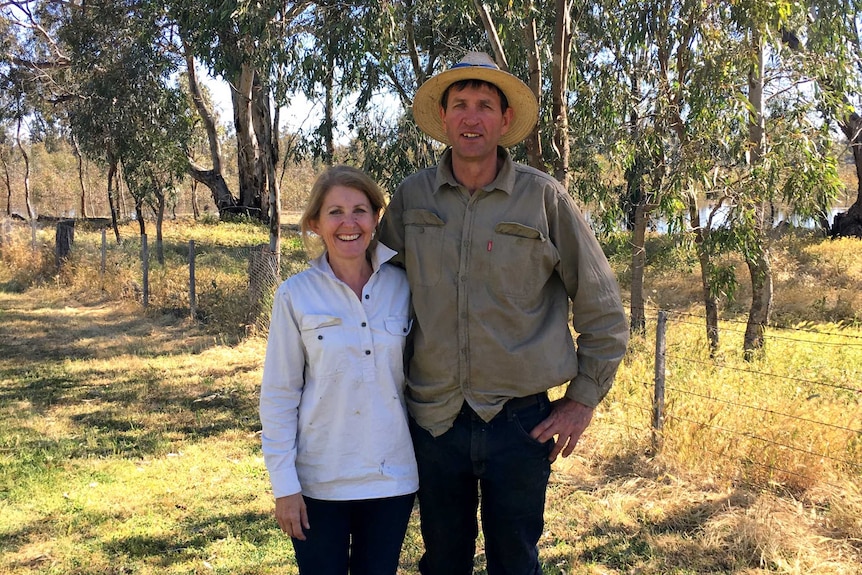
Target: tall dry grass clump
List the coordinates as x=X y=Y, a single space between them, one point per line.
x=27 y=260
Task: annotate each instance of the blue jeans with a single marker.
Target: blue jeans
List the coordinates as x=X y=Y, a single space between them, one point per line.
x=361 y=537
x=510 y=469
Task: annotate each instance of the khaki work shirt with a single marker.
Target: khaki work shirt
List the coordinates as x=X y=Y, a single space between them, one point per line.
x=491 y=277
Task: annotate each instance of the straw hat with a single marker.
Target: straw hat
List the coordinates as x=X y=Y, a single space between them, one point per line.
x=476 y=66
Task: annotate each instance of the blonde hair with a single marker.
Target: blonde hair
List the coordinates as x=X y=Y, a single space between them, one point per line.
x=340 y=175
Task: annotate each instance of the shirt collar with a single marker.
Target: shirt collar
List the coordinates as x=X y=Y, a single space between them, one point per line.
x=505 y=180
x=379 y=256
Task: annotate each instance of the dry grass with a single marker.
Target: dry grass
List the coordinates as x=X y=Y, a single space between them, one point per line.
x=128 y=439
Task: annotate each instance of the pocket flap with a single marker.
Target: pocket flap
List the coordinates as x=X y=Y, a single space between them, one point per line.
x=310 y=322
x=422 y=218
x=398 y=324
x=519 y=230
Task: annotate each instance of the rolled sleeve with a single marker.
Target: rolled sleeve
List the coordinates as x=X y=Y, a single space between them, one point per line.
x=598 y=317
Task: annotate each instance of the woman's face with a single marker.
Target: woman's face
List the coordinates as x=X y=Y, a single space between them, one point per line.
x=346 y=223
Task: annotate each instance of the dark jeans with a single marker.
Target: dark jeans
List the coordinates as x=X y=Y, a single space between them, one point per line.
x=360 y=537
x=510 y=469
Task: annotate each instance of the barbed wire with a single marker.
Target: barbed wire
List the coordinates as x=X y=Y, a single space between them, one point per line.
x=764 y=374
x=739 y=322
x=726 y=457
x=750 y=435
x=762 y=409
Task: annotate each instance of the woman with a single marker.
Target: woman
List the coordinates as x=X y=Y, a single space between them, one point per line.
x=335 y=436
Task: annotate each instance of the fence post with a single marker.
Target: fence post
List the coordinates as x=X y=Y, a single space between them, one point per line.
x=192 y=303
x=658 y=396
x=145 y=262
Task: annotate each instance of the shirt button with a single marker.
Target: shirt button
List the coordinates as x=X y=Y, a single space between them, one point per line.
x=320 y=337
x=367 y=352
x=367 y=296
x=364 y=324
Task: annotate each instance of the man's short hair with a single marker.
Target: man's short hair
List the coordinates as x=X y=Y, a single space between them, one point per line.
x=472 y=83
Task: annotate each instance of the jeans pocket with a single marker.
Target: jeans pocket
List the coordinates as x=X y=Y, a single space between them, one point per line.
x=526 y=419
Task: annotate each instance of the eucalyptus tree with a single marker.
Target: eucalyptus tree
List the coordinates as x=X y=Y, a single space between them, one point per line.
x=250 y=45
x=827 y=41
x=650 y=101
x=333 y=54
x=128 y=110
x=28 y=63
x=787 y=156
x=405 y=42
x=155 y=159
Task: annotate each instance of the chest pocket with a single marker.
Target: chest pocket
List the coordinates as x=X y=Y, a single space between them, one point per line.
x=423 y=239
x=518 y=262
x=325 y=340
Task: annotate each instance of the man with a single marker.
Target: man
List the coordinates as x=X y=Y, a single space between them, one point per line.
x=494 y=251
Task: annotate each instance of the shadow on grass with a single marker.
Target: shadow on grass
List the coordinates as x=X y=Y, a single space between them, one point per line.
x=90 y=331
x=194 y=538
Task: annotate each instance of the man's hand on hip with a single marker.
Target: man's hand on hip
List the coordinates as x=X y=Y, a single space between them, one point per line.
x=567 y=421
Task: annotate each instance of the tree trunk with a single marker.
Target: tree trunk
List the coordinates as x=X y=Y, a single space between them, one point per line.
x=638 y=306
x=196 y=212
x=65 y=237
x=77 y=152
x=328 y=126
x=212 y=178
x=160 y=218
x=112 y=180
x=849 y=223
x=274 y=199
x=559 y=81
x=263 y=131
x=8 y=181
x=757 y=255
x=760 y=270
x=251 y=175
x=139 y=215
x=710 y=302
x=31 y=215
x=533 y=143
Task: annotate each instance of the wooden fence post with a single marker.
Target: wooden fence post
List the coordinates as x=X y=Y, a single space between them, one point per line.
x=192 y=303
x=658 y=396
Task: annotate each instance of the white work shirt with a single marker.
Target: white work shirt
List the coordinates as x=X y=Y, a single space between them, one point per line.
x=332 y=399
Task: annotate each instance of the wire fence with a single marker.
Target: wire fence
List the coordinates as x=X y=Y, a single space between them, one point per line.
x=792 y=417
x=228 y=287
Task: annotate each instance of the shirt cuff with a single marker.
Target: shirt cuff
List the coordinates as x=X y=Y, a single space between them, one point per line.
x=284 y=482
x=586 y=391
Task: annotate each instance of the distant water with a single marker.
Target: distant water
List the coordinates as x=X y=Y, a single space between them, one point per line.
x=660 y=225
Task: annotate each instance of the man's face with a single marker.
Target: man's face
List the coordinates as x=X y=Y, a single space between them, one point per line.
x=474 y=122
